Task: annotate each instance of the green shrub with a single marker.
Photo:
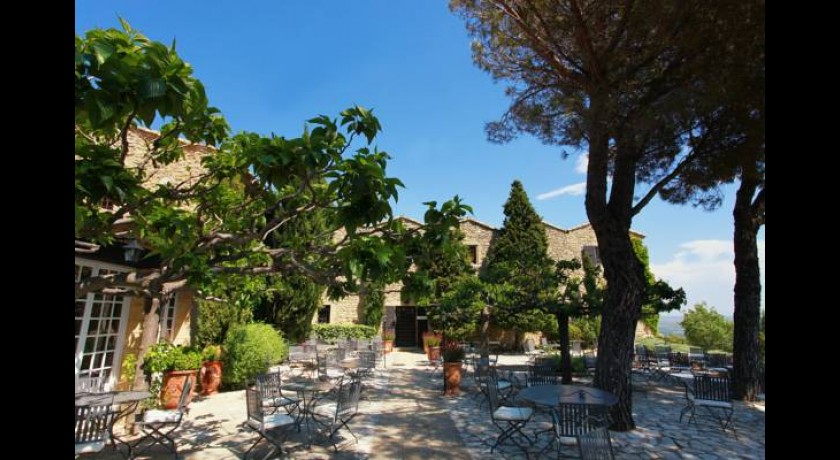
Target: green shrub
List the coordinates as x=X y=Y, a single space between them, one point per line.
x=250 y=350
x=331 y=332
x=578 y=366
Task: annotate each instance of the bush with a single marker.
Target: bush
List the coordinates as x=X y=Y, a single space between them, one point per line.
x=250 y=350
x=705 y=327
x=331 y=332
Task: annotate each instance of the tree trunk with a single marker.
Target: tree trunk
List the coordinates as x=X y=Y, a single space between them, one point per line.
x=747 y=315
x=623 y=271
x=565 y=356
x=151 y=322
x=622 y=307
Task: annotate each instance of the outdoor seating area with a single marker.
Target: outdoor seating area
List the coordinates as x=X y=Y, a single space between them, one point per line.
x=402 y=409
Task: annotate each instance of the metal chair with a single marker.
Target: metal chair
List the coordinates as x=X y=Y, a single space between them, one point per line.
x=571 y=420
x=270 y=388
x=342 y=411
x=367 y=363
x=90 y=384
x=93 y=427
x=509 y=419
x=158 y=424
x=595 y=445
x=261 y=422
x=711 y=392
x=542 y=374
x=590 y=361
x=485 y=376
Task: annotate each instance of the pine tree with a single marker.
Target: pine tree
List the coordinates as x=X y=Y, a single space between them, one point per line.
x=518 y=256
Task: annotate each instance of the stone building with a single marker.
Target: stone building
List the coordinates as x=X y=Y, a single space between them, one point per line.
x=409 y=321
x=108 y=327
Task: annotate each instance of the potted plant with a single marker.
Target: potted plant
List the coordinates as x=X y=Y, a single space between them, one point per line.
x=433 y=348
x=388 y=340
x=177 y=364
x=453 y=357
x=211 y=370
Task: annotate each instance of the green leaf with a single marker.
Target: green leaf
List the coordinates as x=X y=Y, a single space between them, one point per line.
x=102 y=51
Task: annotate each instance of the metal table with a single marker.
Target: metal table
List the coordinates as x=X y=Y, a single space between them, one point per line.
x=304 y=387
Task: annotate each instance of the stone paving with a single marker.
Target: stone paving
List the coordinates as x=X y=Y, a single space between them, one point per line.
x=403 y=415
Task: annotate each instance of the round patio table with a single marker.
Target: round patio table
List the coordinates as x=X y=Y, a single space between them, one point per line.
x=552 y=395
x=307 y=390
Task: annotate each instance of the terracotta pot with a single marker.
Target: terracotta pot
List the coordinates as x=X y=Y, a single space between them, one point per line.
x=433 y=354
x=211 y=377
x=388 y=345
x=452 y=376
x=173 y=385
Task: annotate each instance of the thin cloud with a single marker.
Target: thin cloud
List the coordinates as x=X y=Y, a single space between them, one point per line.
x=573 y=190
x=582 y=163
x=704 y=268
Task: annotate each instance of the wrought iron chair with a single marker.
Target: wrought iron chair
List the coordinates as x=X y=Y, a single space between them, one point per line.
x=712 y=393
x=93 y=427
x=509 y=419
x=261 y=422
x=89 y=384
x=485 y=376
x=595 y=445
x=542 y=374
x=327 y=363
x=367 y=363
x=158 y=424
x=570 y=420
x=590 y=361
x=338 y=414
x=269 y=386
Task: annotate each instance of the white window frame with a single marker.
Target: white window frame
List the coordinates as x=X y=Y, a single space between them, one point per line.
x=116 y=364
x=168 y=312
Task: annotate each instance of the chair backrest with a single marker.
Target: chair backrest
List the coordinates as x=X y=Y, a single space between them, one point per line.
x=349 y=392
x=543 y=374
x=718 y=360
x=492 y=390
x=185 y=394
x=269 y=385
x=571 y=419
x=367 y=359
x=93 y=423
x=714 y=388
x=662 y=351
x=678 y=360
x=595 y=445
x=589 y=360
x=253 y=401
x=90 y=384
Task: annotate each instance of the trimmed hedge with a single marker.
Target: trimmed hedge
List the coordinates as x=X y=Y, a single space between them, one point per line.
x=331 y=332
x=250 y=350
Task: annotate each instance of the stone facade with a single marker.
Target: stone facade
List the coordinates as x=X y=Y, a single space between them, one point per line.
x=562 y=244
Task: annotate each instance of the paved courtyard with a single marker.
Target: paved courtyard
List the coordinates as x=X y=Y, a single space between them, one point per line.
x=403 y=415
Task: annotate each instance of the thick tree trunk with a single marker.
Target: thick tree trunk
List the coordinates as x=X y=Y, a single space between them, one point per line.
x=747 y=295
x=565 y=356
x=625 y=275
x=622 y=307
x=151 y=322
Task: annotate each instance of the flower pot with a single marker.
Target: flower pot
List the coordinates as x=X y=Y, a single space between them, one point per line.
x=452 y=376
x=433 y=354
x=388 y=345
x=173 y=385
x=211 y=377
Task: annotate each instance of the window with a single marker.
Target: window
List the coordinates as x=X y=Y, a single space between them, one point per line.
x=591 y=252
x=167 y=320
x=324 y=315
x=100 y=327
x=472 y=253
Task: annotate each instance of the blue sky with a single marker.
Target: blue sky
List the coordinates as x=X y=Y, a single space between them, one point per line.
x=270 y=65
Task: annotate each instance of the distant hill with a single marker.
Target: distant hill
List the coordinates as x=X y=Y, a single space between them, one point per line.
x=670 y=324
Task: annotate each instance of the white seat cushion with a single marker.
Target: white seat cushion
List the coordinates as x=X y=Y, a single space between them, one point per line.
x=512 y=413
x=712 y=403
x=88 y=447
x=271 y=421
x=278 y=402
x=161 y=416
